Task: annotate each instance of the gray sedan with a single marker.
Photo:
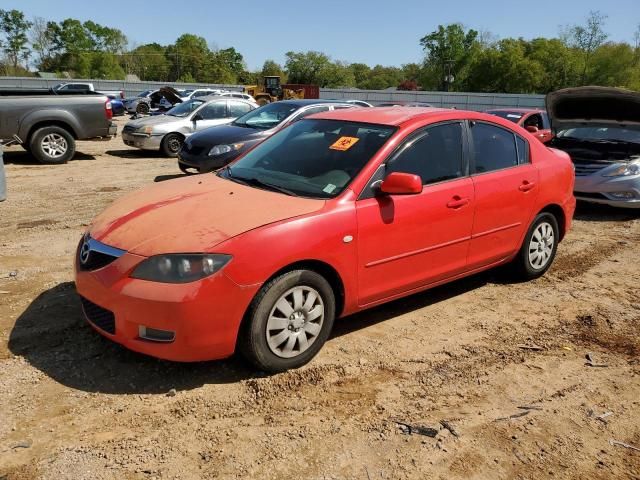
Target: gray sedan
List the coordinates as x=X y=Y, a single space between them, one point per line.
x=168 y=132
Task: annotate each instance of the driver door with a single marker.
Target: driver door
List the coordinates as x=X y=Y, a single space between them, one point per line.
x=406 y=242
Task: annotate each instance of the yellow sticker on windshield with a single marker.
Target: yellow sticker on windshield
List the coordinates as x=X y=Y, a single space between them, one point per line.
x=344 y=143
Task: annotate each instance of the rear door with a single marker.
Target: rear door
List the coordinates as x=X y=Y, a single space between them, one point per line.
x=406 y=242
x=506 y=186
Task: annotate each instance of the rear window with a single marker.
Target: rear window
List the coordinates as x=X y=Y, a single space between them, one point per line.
x=513 y=116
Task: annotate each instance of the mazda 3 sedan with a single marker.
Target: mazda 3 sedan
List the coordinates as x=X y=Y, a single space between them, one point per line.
x=337 y=213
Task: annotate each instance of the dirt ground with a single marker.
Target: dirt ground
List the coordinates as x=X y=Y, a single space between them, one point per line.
x=75 y=406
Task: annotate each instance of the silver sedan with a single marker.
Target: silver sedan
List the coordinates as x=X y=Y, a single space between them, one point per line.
x=168 y=132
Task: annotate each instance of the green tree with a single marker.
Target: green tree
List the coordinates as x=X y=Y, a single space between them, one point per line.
x=14 y=28
x=450 y=48
x=105 y=65
x=307 y=67
x=587 y=39
x=148 y=62
x=188 y=56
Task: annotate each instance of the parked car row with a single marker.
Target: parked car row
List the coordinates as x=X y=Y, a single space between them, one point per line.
x=161 y=100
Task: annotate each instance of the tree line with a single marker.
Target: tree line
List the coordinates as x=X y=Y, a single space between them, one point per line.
x=456 y=58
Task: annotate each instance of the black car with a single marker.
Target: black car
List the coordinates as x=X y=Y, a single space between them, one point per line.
x=215 y=147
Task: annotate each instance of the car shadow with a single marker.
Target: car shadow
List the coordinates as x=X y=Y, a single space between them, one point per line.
x=18 y=157
x=387 y=311
x=135 y=153
x=594 y=212
x=53 y=336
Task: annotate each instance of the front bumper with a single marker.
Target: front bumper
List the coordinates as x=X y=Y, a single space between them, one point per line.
x=142 y=140
x=205 y=315
x=595 y=188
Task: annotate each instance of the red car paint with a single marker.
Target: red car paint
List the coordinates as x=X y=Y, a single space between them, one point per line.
x=381 y=248
x=526 y=117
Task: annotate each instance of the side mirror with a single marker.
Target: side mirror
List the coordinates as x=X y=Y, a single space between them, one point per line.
x=398 y=183
x=197 y=118
x=532 y=129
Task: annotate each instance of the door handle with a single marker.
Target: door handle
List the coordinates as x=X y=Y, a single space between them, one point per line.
x=526 y=186
x=458 y=202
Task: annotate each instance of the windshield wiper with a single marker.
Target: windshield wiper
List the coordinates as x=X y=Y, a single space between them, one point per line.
x=256 y=182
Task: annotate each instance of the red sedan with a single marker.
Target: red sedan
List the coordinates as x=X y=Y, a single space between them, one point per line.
x=337 y=213
x=533 y=120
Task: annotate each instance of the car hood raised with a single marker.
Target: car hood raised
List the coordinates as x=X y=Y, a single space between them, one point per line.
x=593 y=107
x=192 y=214
x=227 y=134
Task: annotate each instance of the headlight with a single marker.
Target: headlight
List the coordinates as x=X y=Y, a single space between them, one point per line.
x=146 y=130
x=631 y=168
x=222 y=149
x=180 y=267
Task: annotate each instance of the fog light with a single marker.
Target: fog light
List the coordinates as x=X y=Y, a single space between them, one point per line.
x=623 y=195
x=156 y=335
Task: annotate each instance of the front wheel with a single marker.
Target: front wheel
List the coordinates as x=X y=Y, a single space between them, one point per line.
x=539 y=247
x=288 y=321
x=171 y=144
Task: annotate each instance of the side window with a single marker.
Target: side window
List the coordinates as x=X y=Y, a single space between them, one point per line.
x=534 y=120
x=435 y=156
x=494 y=148
x=545 y=121
x=237 y=109
x=523 y=150
x=214 y=111
x=311 y=111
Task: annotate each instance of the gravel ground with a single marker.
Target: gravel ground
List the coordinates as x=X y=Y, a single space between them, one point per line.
x=75 y=406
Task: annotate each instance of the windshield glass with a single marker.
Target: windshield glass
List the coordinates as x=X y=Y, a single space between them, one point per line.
x=268 y=116
x=513 y=116
x=311 y=158
x=145 y=93
x=617 y=134
x=185 y=108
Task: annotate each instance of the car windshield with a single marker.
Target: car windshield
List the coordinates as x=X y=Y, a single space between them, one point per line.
x=513 y=116
x=185 y=108
x=145 y=93
x=595 y=134
x=311 y=158
x=268 y=116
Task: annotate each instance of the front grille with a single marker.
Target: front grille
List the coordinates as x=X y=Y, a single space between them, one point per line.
x=99 y=254
x=101 y=317
x=584 y=169
x=97 y=260
x=128 y=129
x=194 y=149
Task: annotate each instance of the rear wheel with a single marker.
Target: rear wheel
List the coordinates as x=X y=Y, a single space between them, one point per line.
x=143 y=108
x=539 y=247
x=288 y=321
x=171 y=144
x=52 y=145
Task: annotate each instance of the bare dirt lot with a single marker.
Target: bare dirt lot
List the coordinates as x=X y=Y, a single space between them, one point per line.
x=75 y=406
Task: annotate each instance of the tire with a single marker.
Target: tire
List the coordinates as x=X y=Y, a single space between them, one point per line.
x=171 y=144
x=52 y=145
x=279 y=318
x=143 y=108
x=538 y=249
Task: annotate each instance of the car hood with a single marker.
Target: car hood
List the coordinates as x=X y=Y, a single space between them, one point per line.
x=153 y=120
x=593 y=107
x=192 y=214
x=227 y=134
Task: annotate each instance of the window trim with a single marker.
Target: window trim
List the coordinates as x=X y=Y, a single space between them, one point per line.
x=472 y=158
x=369 y=192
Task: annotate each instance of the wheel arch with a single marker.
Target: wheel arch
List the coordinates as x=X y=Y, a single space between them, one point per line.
x=50 y=123
x=557 y=211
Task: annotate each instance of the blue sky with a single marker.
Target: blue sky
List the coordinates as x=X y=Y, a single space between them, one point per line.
x=386 y=33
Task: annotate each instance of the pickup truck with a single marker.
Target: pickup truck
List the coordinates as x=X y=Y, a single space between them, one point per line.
x=86 y=87
x=49 y=125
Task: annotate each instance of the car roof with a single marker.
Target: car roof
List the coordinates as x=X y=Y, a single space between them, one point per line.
x=384 y=115
x=208 y=98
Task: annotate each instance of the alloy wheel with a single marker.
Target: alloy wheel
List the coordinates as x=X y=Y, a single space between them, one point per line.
x=541 y=245
x=54 y=145
x=295 y=321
